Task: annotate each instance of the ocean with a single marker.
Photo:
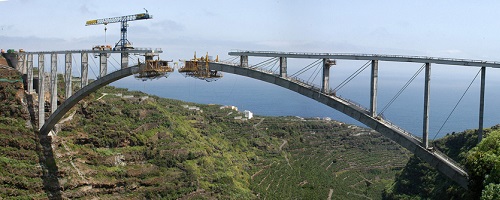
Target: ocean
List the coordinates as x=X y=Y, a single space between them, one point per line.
x=448 y=84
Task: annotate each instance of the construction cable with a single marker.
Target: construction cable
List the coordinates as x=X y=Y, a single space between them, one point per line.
x=262 y=63
x=317 y=73
x=456 y=105
x=273 y=65
x=352 y=76
x=230 y=59
x=96 y=77
x=137 y=58
x=74 y=61
x=116 y=62
x=308 y=67
x=132 y=59
x=402 y=89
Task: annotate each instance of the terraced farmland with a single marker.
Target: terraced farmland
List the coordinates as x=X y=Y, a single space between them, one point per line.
x=353 y=164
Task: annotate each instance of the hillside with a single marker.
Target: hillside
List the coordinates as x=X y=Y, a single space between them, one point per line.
x=430 y=184
x=21 y=163
x=124 y=144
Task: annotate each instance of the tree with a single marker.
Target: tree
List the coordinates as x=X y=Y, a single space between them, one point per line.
x=483 y=163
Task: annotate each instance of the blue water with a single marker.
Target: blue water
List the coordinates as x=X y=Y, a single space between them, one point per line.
x=447 y=86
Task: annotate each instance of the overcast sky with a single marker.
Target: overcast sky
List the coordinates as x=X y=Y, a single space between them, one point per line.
x=458 y=29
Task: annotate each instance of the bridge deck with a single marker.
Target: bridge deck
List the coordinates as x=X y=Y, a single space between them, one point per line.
x=382 y=57
x=135 y=50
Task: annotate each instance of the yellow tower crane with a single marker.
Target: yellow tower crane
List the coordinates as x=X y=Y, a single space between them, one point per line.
x=123 y=44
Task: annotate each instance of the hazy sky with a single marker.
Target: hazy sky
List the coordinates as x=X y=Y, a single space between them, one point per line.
x=459 y=29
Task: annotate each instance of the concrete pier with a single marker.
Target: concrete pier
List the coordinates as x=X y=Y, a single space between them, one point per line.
x=103 y=64
x=41 y=90
x=124 y=60
x=29 y=58
x=53 y=82
x=85 y=70
x=67 y=75
x=427 y=92
x=283 y=66
x=325 y=84
x=481 y=105
x=21 y=63
x=244 y=61
x=373 y=88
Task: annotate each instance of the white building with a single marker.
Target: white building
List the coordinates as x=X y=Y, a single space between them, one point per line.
x=248 y=114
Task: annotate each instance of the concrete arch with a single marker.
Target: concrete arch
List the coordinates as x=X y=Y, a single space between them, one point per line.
x=82 y=93
x=438 y=161
x=435 y=159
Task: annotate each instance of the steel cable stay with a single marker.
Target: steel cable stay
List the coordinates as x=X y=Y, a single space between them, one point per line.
x=234 y=59
x=258 y=64
x=317 y=73
x=456 y=105
x=116 y=63
x=138 y=58
x=132 y=59
x=230 y=59
x=267 y=64
x=263 y=63
x=74 y=61
x=272 y=67
x=402 y=89
x=352 y=76
x=308 y=67
x=96 y=77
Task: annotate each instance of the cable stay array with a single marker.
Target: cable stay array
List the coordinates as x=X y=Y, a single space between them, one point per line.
x=456 y=105
x=381 y=113
x=351 y=77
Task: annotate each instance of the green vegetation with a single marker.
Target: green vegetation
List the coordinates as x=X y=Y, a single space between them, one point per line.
x=419 y=181
x=483 y=163
x=156 y=148
x=20 y=171
x=126 y=144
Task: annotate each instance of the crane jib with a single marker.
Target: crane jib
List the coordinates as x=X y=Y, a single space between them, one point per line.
x=119 y=19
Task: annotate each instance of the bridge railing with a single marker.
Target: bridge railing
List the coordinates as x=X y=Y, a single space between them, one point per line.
x=448 y=159
x=369 y=55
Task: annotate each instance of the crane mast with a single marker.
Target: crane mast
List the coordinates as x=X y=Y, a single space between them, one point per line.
x=123 y=44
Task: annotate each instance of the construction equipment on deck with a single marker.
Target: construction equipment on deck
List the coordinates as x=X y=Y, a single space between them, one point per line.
x=153 y=69
x=123 y=44
x=199 y=68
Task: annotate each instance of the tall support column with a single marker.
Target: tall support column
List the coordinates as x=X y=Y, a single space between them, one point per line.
x=373 y=90
x=243 y=61
x=67 y=75
x=325 y=85
x=427 y=91
x=124 y=60
x=29 y=82
x=481 y=104
x=41 y=90
x=53 y=83
x=24 y=67
x=85 y=69
x=103 y=64
x=283 y=67
x=21 y=63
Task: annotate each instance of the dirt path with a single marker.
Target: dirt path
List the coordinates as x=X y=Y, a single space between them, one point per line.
x=70 y=117
x=103 y=94
x=330 y=194
x=255 y=125
x=283 y=144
